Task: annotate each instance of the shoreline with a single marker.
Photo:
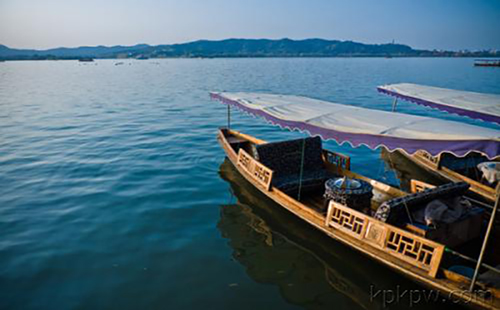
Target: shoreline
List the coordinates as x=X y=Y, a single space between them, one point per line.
x=245 y=57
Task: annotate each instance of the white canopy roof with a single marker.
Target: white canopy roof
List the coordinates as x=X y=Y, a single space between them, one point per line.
x=475 y=105
x=373 y=128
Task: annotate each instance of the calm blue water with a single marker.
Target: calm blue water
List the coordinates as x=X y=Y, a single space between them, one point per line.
x=112 y=193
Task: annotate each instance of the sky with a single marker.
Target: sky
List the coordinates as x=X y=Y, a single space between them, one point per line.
x=422 y=24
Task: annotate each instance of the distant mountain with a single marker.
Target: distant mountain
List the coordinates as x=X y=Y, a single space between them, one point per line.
x=285 y=48
x=69 y=53
x=238 y=48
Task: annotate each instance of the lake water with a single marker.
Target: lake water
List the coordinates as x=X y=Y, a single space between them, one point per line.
x=114 y=193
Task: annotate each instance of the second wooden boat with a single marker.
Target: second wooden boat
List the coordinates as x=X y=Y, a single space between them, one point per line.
x=472 y=166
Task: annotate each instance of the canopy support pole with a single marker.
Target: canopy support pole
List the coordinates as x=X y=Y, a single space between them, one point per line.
x=228 y=116
x=301 y=167
x=394 y=104
x=486 y=237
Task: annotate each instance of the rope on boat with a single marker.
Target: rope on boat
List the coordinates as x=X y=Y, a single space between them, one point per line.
x=301 y=167
x=467 y=258
x=482 y=204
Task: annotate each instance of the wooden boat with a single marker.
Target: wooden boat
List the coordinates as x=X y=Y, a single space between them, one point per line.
x=487 y=63
x=408 y=247
x=485 y=107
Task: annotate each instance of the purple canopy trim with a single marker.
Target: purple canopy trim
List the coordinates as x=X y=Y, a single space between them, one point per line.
x=457 y=147
x=463 y=112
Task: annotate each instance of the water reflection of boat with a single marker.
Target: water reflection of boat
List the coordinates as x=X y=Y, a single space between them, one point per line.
x=293 y=174
x=310 y=269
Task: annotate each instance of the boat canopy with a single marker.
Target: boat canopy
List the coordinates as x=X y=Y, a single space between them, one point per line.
x=485 y=107
x=373 y=128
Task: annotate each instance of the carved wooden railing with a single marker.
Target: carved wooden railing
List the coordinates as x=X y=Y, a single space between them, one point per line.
x=419 y=252
x=260 y=173
x=337 y=159
x=419 y=186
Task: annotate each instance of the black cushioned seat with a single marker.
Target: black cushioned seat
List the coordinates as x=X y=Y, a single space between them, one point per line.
x=285 y=158
x=394 y=210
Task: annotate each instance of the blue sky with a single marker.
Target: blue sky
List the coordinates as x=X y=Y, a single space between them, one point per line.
x=427 y=24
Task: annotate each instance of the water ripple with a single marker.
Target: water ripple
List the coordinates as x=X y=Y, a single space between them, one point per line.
x=110 y=188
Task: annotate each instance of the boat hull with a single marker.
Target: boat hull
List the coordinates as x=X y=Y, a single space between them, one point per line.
x=446 y=285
